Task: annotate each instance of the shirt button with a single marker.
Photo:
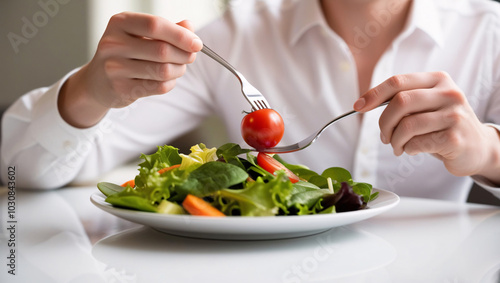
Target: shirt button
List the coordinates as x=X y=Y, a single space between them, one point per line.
x=365 y=174
x=365 y=150
x=67 y=144
x=345 y=66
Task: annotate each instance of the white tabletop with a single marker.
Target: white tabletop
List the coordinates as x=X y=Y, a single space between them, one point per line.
x=60 y=236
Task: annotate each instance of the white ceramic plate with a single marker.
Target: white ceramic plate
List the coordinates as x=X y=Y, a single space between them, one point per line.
x=248 y=228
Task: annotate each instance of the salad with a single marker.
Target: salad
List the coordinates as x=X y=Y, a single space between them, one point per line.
x=220 y=182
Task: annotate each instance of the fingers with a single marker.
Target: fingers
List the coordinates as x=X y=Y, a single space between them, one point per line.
x=139 y=55
x=392 y=86
x=401 y=119
x=157 y=28
x=145 y=49
x=421 y=106
x=413 y=132
x=137 y=69
x=431 y=142
x=133 y=89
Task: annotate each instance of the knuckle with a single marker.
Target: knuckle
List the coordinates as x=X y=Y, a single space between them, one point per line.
x=374 y=94
x=191 y=58
x=456 y=141
x=162 y=50
x=453 y=139
x=408 y=125
x=455 y=95
x=164 y=87
x=110 y=67
x=402 y=99
x=168 y=71
x=118 y=19
x=397 y=81
x=182 y=70
x=181 y=36
x=164 y=72
x=412 y=147
x=455 y=116
x=107 y=44
x=442 y=75
x=152 y=24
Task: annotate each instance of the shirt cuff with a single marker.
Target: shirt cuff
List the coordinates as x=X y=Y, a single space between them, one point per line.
x=50 y=130
x=485 y=183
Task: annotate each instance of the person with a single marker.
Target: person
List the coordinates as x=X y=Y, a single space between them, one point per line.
x=436 y=61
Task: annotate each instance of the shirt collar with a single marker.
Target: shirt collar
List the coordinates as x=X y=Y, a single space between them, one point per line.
x=306 y=14
x=423 y=16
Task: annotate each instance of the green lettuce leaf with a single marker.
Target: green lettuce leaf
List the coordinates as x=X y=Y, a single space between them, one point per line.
x=259 y=198
x=165 y=156
x=199 y=155
x=133 y=199
x=306 y=198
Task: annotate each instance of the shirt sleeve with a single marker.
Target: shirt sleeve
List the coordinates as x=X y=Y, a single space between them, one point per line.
x=49 y=153
x=44 y=150
x=484 y=183
x=493 y=110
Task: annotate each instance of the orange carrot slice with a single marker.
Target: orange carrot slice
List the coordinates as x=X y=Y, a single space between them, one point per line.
x=130 y=183
x=161 y=171
x=197 y=206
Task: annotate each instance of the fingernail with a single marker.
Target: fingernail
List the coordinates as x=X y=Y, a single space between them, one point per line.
x=383 y=138
x=359 y=104
x=196 y=44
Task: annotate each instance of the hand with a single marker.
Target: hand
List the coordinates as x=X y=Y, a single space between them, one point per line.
x=429 y=113
x=138 y=55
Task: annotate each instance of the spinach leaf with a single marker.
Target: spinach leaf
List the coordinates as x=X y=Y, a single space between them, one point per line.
x=109 y=188
x=130 y=198
x=209 y=178
x=305 y=198
x=337 y=174
x=229 y=152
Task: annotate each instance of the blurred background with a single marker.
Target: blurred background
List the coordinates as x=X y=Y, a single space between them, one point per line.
x=45 y=39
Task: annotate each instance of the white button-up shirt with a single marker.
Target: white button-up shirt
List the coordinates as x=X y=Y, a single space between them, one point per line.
x=307 y=73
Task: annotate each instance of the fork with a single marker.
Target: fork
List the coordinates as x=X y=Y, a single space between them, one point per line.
x=252 y=95
x=312 y=138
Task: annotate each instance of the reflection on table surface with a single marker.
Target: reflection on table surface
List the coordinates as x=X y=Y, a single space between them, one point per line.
x=61 y=237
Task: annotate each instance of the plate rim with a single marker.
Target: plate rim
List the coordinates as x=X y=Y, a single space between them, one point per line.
x=247 y=228
x=98 y=199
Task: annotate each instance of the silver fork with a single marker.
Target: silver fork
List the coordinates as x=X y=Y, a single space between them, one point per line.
x=252 y=95
x=312 y=138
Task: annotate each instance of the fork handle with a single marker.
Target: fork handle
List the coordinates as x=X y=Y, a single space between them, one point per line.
x=345 y=115
x=219 y=59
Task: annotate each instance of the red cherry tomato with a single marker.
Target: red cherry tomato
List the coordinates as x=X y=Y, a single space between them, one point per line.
x=272 y=165
x=263 y=128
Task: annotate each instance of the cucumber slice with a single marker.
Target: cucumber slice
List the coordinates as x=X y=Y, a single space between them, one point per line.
x=168 y=207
